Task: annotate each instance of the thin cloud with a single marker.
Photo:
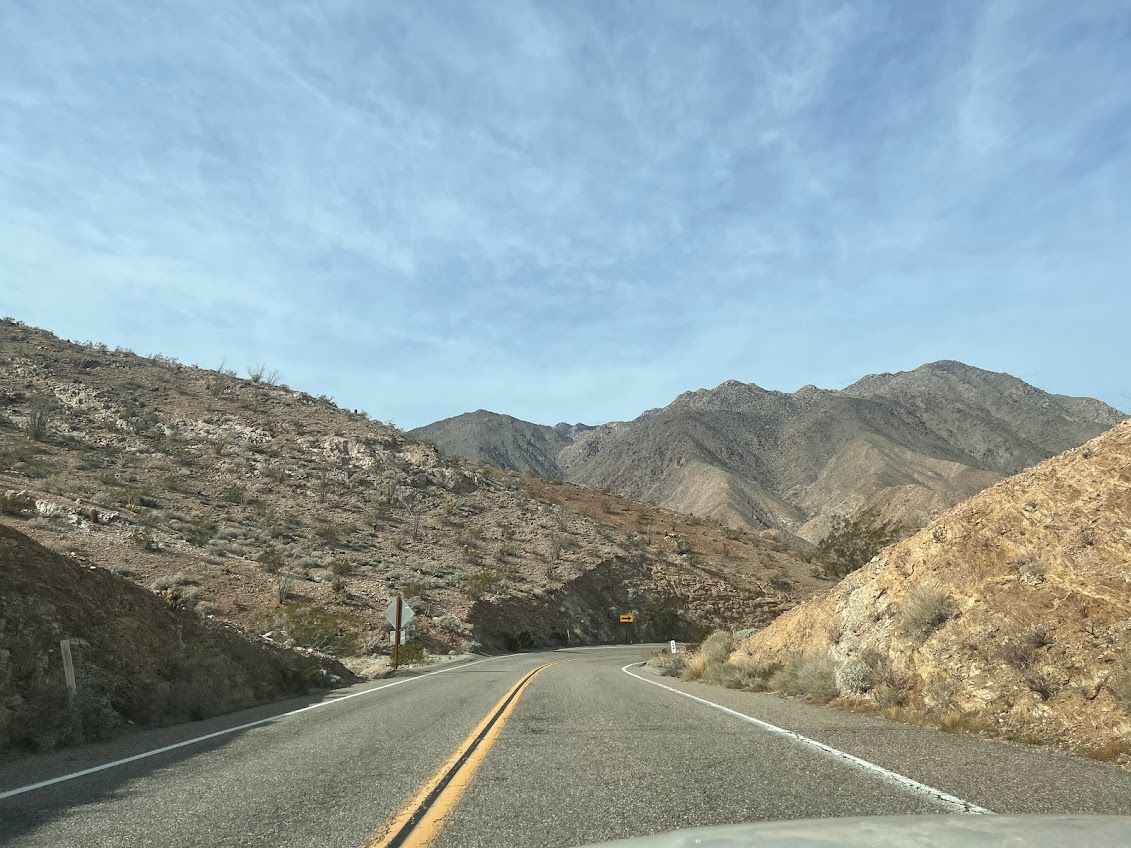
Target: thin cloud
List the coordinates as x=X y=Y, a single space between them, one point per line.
x=572 y=211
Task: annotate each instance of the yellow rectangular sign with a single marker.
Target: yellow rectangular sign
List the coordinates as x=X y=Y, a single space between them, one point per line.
x=627 y=618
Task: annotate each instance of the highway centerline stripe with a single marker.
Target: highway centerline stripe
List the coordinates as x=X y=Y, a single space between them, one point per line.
x=115 y=763
x=422 y=819
x=951 y=801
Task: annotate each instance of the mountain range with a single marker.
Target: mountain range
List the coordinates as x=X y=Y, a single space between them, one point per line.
x=910 y=445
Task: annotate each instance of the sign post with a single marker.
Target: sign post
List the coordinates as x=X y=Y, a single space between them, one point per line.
x=627 y=619
x=398 y=614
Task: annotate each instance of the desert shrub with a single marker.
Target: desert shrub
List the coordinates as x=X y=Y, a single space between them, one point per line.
x=1041 y=682
x=449 y=624
x=142 y=537
x=1020 y=651
x=414 y=588
x=927 y=609
x=284 y=588
x=331 y=534
x=856 y=676
x=481 y=583
x=886 y=696
x=1119 y=684
x=412 y=654
x=179 y=590
x=706 y=662
x=747 y=673
x=271 y=560
x=940 y=691
x=16 y=504
x=315 y=627
x=851 y=542
x=183 y=597
x=718 y=646
x=201 y=530
x=669 y=665
x=885 y=674
x=170 y=581
x=810 y=675
x=39 y=419
x=341 y=567
x=781 y=583
x=234 y=494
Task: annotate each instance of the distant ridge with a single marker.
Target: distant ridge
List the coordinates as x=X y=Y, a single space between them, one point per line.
x=910 y=444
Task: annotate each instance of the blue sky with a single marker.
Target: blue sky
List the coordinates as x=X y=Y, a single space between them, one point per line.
x=573 y=210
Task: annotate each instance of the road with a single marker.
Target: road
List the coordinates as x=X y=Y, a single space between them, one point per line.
x=579 y=752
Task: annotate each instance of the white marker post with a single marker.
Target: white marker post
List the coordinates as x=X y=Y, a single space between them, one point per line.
x=68 y=667
x=672 y=644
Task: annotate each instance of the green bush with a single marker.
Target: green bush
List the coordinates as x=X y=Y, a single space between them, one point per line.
x=315 y=627
x=201 y=531
x=481 y=583
x=854 y=541
x=16 y=504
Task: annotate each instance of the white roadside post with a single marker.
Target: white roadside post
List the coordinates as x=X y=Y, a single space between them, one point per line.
x=672 y=644
x=68 y=667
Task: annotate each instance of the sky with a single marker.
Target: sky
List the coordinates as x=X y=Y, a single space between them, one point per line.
x=573 y=211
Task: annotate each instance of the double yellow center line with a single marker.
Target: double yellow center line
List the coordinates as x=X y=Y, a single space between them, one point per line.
x=422 y=819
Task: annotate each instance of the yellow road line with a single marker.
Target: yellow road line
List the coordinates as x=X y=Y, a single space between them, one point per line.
x=422 y=819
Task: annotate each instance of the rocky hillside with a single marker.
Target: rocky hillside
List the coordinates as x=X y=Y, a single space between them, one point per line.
x=254 y=503
x=137 y=659
x=1009 y=614
x=909 y=445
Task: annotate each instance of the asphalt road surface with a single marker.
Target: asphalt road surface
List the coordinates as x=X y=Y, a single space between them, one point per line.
x=556 y=748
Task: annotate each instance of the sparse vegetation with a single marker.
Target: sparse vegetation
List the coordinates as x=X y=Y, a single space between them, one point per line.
x=928 y=607
x=315 y=627
x=201 y=531
x=851 y=542
x=284 y=589
x=481 y=583
x=16 y=503
x=341 y=566
x=39 y=419
x=271 y=560
x=810 y=675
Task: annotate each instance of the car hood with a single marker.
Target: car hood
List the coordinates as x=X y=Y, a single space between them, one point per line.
x=941 y=831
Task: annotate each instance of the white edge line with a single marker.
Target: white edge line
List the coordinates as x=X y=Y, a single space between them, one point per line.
x=115 y=763
x=958 y=804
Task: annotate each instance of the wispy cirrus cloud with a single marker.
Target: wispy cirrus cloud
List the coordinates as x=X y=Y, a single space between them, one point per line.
x=572 y=210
